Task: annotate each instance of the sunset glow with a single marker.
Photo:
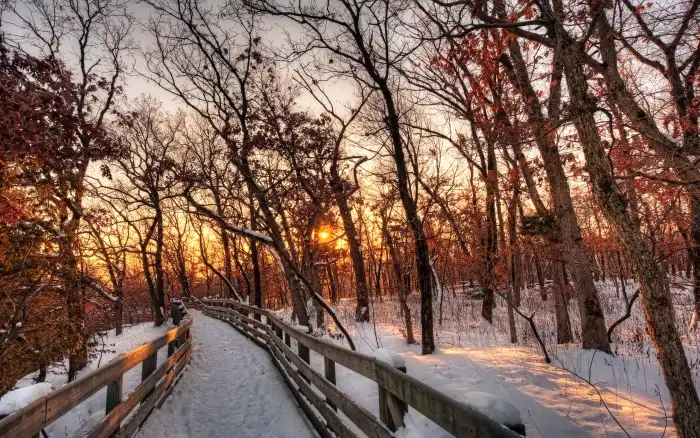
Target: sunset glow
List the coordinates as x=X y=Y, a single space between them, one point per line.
x=504 y=192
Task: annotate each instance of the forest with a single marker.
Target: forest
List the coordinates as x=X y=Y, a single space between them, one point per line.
x=524 y=169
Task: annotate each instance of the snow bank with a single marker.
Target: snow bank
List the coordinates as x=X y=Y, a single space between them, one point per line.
x=493 y=407
x=22 y=397
x=411 y=429
x=389 y=357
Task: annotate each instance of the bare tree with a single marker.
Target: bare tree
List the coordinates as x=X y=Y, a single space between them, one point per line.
x=576 y=55
x=143 y=182
x=356 y=40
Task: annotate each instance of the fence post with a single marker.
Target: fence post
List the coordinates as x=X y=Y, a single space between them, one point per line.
x=148 y=366
x=175 y=312
x=287 y=340
x=329 y=373
x=171 y=347
x=257 y=316
x=303 y=351
x=391 y=408
x=114 y=395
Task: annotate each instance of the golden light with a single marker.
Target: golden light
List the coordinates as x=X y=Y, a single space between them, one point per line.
x=323 y=235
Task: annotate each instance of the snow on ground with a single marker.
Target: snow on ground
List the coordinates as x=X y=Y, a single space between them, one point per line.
x=476 y=357
x=86 y=415
x=231 y=388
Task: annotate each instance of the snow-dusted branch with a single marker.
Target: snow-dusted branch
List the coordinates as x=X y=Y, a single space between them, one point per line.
x=97 y=287
x=202 y=210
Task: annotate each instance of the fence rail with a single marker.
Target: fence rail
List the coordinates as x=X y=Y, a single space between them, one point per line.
x=397 y=390
x=154 y=387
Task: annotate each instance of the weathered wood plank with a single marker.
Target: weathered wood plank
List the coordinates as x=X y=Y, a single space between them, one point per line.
x=453 y=416
x=149 y=365
x=329 y=374
x=175 y=380
x=244 y=319
x=238 y=305
x=115 y=416
x=26 y=422
x=362 y=418
x=391 y=408
x=332 y=420
x=319 y=425
x=114 y=397
x=39 y=414
x=147 y=406
x=354 y=361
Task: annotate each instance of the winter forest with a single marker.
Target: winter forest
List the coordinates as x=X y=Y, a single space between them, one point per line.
x=514 y=183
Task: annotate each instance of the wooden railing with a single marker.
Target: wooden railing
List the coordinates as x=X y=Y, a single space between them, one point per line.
x=397 y=390
x=156 y=383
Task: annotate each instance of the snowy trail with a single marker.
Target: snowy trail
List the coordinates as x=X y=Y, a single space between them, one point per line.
x=230 y=389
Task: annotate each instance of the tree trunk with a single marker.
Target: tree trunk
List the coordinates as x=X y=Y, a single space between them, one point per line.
x=540 y=278
x=78 y=356
x=255 y=259
x=146 y=264
x=355 y=246
x=378 y=279
x=694 y=256
x=296 y=286
x=399 y=276
x=332 y=288
x=561 y=311
x=411 y=212
x=491 y=243
x=118 y=310
x=577 y=253
x=226 y=244
x=515 y=266
x=158 y=266
x=623 y=279
x=656 y=305
x=77 y=359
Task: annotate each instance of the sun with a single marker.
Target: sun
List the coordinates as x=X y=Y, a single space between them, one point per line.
x=323 y=235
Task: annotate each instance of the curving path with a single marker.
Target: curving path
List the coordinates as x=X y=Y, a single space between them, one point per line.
x=230 y=389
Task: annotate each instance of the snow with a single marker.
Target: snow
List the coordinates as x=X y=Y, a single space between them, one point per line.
x=230 y=388
x=414 y=429
x=551 y=400
x=389 y=357
x=22 y=397
x=670 y=139
x=493 y=407
x=256 y=235
x=87 y=414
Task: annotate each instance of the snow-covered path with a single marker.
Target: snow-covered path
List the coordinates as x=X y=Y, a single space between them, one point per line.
x=230 y=389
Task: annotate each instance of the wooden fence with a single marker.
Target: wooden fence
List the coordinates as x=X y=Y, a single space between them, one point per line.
x=397 y=390
x=156 y=383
